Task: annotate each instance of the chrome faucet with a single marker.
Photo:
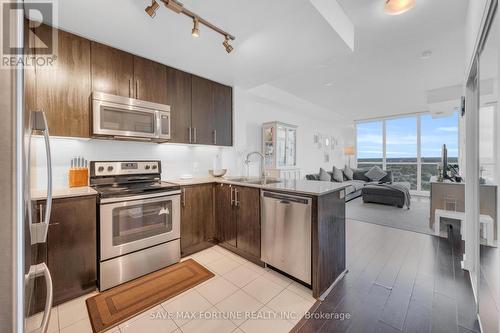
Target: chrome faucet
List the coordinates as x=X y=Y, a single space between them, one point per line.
x=262 y=170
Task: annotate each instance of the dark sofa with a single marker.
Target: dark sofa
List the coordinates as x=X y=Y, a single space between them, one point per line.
x=354 y=190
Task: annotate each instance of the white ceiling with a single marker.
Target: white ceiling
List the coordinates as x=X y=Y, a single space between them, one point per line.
x=288 y=44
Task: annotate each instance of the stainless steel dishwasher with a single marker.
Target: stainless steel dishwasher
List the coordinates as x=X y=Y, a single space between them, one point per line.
x=286 y=233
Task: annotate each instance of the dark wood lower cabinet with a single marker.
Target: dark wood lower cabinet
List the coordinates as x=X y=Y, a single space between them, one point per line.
x=225 y=214
x=248 y=220
x=70 y=250
x=238 y=218
x=328 y=240
x=197 y=218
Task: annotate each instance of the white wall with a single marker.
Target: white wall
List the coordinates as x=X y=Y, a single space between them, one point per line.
x=251 y=109
x=473 y=23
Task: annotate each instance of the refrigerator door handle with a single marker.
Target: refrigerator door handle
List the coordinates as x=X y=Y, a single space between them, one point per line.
x=39 y=230
x=38 y=271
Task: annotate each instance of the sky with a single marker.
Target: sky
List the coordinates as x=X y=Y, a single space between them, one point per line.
x=401 y=137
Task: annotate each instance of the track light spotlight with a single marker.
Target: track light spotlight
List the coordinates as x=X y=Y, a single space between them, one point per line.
x=151 y=10
x=196 y=28
x=227 y=46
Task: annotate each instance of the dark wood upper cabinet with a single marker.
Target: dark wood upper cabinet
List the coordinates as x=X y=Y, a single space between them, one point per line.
x=197 y=218
x=225 y=214
x=248 y=217
x=179 y=99
x=223 y=113
x=112 y=70
x=63 y=91
x=150 y=81
x=202 y=112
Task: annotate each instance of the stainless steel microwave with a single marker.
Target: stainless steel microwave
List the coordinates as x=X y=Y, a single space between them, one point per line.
x=128 y=118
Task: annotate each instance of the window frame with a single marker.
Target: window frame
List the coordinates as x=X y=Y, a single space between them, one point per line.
x=419 y=161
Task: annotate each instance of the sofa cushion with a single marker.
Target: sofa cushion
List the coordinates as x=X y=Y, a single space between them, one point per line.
x=348 y=173
x=314 y=176
x=338 y=175
x=359 y=174
x=324 y=176
x=388 y=178
x=376 y=173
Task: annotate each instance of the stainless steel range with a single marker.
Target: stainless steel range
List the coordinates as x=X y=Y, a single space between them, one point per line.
x=139 y=220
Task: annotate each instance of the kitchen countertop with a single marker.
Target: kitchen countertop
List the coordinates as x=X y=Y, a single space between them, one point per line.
x=57 y=193
x=309 y=187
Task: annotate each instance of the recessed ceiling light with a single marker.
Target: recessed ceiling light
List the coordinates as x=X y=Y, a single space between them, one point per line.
x=396 y=7
x=427 y=54
x=328 y=84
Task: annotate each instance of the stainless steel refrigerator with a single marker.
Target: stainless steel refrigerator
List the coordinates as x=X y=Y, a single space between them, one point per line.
x=25 y=282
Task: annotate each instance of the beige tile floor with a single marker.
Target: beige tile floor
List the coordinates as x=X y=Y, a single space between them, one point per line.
x=217 y=305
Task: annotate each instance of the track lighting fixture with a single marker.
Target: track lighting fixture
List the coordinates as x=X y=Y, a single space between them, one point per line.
x=177 y=7
x=151 y=10
x=228 y=46
x=196 y=28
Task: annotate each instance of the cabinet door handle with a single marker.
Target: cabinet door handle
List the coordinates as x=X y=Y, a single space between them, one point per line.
x=232 y=195
x=195 y=134
x=40 y=211
x=190 y=135
x=215 y=137
x=136 y=88
x=236 y=199
x=130 y=88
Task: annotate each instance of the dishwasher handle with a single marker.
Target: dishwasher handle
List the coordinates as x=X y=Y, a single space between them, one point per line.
x=286 y=199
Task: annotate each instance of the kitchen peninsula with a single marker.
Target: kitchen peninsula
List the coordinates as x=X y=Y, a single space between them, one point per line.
x=236 y=220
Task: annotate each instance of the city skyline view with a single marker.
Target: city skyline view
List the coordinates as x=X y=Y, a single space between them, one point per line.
x=401 y=138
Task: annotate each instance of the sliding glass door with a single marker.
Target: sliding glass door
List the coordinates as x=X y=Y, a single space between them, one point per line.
x=409 y=146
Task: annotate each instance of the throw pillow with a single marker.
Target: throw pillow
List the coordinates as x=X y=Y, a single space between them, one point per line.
x=348 y=173
x=324 y=176
x=338 y=175
x=375 y=174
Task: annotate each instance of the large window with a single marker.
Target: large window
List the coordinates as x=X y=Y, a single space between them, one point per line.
x=370 y=145
x=408 y=146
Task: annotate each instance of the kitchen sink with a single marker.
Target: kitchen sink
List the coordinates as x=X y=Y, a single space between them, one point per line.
x=256 y=181
x=237 y=179
x=262 y=181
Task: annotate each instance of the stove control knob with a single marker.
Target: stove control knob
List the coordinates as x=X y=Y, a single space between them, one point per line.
x=100 y=169
x=155 y=167
x=147 y=167
x=110 y=168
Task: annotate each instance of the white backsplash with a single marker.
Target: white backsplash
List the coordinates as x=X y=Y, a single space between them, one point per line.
x=176 y=160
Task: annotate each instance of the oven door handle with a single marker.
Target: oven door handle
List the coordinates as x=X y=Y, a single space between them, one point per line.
x=139 y=201
x=161 y=196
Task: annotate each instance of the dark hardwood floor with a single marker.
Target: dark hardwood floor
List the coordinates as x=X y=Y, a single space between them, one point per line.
x=489 y=289
x=399 y=281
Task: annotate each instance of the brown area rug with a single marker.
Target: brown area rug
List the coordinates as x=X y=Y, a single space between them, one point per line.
x=118 y=304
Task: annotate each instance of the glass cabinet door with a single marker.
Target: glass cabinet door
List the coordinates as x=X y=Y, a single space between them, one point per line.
x=291 y=147
x=281 y=146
